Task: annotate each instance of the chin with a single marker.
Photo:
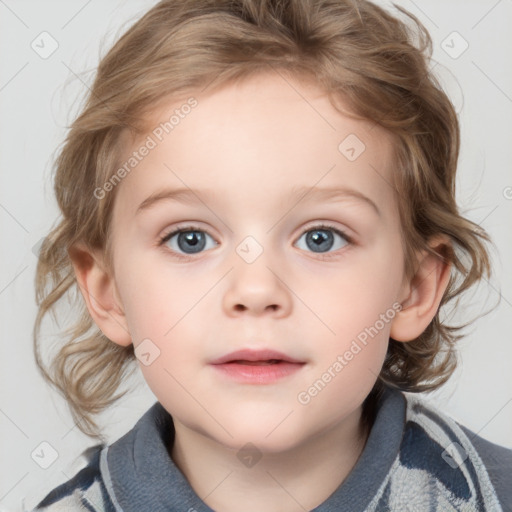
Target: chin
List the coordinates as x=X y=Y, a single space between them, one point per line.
x=266 y=436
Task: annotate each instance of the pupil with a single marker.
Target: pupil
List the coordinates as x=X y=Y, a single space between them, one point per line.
x=194 y=239
x=321 y=240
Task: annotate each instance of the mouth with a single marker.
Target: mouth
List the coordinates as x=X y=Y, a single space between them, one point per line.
x=256 y=357
x=255 y=363
x=256 y=367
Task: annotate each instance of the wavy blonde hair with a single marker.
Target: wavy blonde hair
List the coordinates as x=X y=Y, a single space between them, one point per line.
x=353 y=50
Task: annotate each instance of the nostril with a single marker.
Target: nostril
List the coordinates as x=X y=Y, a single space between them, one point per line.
x=241 y=307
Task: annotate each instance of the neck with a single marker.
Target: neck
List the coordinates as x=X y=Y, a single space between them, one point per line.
x=300 y=478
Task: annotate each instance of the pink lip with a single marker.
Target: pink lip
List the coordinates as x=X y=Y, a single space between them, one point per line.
x=254 y=355
x=257 y=366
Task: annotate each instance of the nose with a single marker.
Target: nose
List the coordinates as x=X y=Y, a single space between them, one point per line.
x=256 y=289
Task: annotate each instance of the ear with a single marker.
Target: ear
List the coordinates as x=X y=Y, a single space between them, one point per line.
x=423 y=293
x=100 y=293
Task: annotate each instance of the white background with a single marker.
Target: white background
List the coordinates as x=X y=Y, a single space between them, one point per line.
x=38 y=99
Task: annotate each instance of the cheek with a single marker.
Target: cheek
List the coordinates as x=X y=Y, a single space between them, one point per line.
x=335 y=390
x=171 y=311
x=155 y=299
x=352 y=299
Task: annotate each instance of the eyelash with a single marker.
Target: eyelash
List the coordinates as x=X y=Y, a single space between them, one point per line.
x=323 y=256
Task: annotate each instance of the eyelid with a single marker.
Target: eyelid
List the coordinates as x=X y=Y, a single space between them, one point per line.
x=327 y=225
x=183 y=227
x=175 y=230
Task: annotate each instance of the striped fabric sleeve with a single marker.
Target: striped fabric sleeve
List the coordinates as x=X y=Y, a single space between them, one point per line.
x=85 y=491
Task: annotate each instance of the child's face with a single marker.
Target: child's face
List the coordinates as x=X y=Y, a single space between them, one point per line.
x=258 y=283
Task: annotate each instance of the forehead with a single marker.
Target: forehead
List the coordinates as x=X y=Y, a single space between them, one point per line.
x=268 y=136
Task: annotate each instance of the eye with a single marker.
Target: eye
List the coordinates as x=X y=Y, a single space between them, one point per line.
x=187 y=240
x=321 y=239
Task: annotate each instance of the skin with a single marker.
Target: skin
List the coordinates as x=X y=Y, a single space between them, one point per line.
x=250 y=143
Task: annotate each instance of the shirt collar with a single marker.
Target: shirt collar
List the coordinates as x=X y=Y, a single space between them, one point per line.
x=144 y=477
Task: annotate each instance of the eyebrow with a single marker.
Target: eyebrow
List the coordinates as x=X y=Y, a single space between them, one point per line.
x=187 y=195
x=184 y=195
x=330 y=193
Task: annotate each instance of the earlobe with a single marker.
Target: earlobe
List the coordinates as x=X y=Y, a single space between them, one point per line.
x=424 y=292
x=100 y=294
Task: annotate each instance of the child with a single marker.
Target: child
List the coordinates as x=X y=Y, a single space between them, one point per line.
x=306 y=154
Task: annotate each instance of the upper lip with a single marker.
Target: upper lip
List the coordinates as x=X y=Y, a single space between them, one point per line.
x=255 y=355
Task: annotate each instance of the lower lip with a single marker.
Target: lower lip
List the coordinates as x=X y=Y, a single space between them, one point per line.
x=258 y=374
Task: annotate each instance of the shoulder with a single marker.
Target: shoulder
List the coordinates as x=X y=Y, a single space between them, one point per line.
x=498 y=462
x=470 y=468
x=84 y=491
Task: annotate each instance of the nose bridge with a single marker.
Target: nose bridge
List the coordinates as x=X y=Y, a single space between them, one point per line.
x=255 y=284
